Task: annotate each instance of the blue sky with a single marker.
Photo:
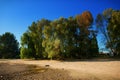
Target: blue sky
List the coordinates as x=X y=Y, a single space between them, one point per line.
x=17 y=15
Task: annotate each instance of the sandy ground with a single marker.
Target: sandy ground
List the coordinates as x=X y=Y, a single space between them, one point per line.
x=59 y=70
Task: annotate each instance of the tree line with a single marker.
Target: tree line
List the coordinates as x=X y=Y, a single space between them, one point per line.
x=62 y=38
x=73 y=37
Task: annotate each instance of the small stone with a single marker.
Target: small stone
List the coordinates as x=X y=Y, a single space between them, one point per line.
x=47 y=65
x=1 y=76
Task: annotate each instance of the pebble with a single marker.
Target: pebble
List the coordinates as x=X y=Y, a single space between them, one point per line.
x=1 y=76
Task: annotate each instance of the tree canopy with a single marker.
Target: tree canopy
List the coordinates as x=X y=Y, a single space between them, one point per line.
x=114 y=32
x=8 y=46
x=108 y=24
x=61 y=38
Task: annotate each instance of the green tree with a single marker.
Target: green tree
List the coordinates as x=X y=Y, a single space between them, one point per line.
x=8 y=46
x=27 y=47
x=72 y=38
x=47 y=42
x=33 y=38
x=114 y=32
x=93 y=45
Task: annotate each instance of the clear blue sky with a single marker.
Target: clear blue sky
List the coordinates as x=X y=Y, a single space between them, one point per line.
x=17 y=15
